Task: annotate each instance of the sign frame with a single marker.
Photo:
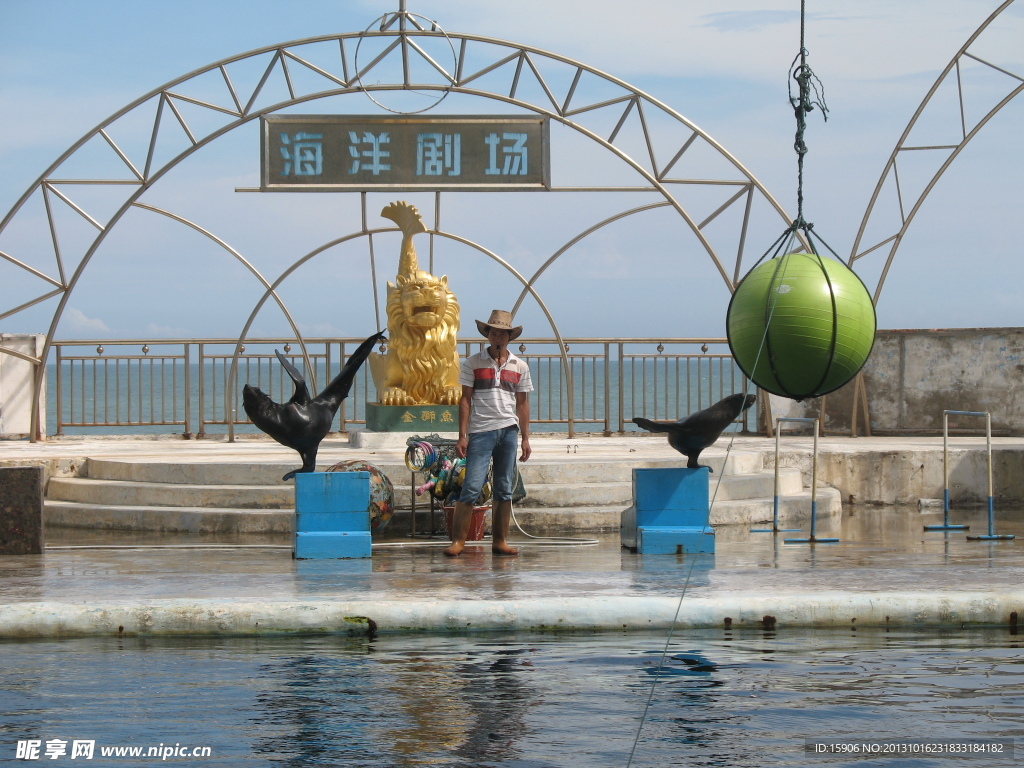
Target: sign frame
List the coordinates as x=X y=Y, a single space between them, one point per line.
x=271 y=150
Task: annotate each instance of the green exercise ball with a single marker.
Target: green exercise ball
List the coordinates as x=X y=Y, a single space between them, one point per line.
x=801 y=325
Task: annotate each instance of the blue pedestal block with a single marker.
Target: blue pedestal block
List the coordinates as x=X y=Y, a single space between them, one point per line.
x=669 y=513
x=331 y=517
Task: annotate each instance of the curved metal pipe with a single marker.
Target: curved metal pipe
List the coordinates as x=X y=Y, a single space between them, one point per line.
x=890 y=165
x=280 y=53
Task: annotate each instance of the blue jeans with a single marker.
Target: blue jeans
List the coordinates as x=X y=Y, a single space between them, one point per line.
x=501 y=445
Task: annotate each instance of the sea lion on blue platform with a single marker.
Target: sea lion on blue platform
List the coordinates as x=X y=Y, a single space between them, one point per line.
x=698 y=431
x=303 y=422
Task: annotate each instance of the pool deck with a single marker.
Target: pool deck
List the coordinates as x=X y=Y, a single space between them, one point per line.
x=885 y=570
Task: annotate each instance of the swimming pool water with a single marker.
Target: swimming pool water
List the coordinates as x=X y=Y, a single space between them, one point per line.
x=722 y=698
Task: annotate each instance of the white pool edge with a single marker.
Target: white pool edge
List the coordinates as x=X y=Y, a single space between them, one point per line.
x=782 y=612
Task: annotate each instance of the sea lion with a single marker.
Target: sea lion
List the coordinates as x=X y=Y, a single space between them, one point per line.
x=303 y=422
x=698 y=431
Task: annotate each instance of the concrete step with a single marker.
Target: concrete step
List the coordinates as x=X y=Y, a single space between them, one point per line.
x=729 y=488
x=738 y=463
x=755 y=486
x=535 y=521
x=567 y=485
x=221 y=498
x=237 y=473
x=136 y=494
x=793 y=508
x=279 y=522
x=538 y=521
x=120 y=517
x=189 y=473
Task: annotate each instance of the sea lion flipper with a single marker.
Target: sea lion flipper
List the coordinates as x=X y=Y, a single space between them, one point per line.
x=654 y=426
x=338 y=389
x=293 y=372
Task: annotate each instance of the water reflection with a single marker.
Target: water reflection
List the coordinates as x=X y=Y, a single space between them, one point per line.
x=737 y=698
x=396 y=708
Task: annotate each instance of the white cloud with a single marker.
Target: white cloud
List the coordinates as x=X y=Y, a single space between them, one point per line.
x=157 y=331
x=79 y=322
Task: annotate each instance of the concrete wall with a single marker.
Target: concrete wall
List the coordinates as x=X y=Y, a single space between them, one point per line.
x=908 y=475
x=16 y=377
x=912 y=376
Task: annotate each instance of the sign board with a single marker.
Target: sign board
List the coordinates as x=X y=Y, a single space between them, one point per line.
x=328 y=153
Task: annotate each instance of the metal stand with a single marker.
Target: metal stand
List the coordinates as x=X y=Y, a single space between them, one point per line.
x=991 y=535
x=775 y=502
x=946 y=526
x=812 y=539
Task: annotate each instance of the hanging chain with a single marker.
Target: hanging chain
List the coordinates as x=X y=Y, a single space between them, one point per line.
x=807 y=82
x=810 y=94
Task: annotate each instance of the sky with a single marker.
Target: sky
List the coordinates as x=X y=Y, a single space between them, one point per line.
x=66 y=65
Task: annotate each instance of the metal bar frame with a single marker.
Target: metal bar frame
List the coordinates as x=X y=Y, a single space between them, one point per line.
x=909 y=206
x=573 y=111
x=813 y=538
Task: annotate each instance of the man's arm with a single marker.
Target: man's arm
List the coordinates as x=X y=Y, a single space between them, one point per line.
x=464 y=405
x=523 y=414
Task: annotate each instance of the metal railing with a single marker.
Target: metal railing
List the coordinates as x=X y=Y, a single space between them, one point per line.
x=597 y=384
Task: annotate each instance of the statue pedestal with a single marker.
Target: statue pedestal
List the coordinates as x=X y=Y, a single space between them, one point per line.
x=389 y=426
x=421 y=419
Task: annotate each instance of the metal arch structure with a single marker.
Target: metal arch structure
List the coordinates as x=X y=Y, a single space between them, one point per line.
x=943 y=155
x=181 y=111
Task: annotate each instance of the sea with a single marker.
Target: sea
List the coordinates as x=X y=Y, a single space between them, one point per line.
x=159 y=396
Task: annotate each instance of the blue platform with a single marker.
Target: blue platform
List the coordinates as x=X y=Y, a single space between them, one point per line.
x=670 y=512
x=331 y=515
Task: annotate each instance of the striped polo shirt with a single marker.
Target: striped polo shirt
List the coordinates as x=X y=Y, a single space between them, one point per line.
x=494 y=390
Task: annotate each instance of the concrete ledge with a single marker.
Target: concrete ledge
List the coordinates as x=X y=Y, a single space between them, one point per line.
x=620 y=613
x=213 y=520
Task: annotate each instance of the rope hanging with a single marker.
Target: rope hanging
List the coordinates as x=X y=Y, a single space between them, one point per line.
x=810 y=94
x=802 y=104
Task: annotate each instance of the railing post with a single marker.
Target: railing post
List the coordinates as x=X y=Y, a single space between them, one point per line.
x=202 y=391
x=607 y=391
x=622 y=401
x=570 y=388
x=60 y=390
x=341 y=364
x=229 y=395
x=188 y=393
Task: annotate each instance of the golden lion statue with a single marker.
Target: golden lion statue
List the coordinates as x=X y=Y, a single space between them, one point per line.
x=421 y=366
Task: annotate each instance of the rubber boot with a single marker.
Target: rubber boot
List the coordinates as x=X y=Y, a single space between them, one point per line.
x=462 y=517
x=500 y=521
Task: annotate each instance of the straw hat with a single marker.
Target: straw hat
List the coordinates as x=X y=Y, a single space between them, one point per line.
x=501 y=320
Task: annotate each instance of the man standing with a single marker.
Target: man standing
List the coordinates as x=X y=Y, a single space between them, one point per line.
x=494 y=411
